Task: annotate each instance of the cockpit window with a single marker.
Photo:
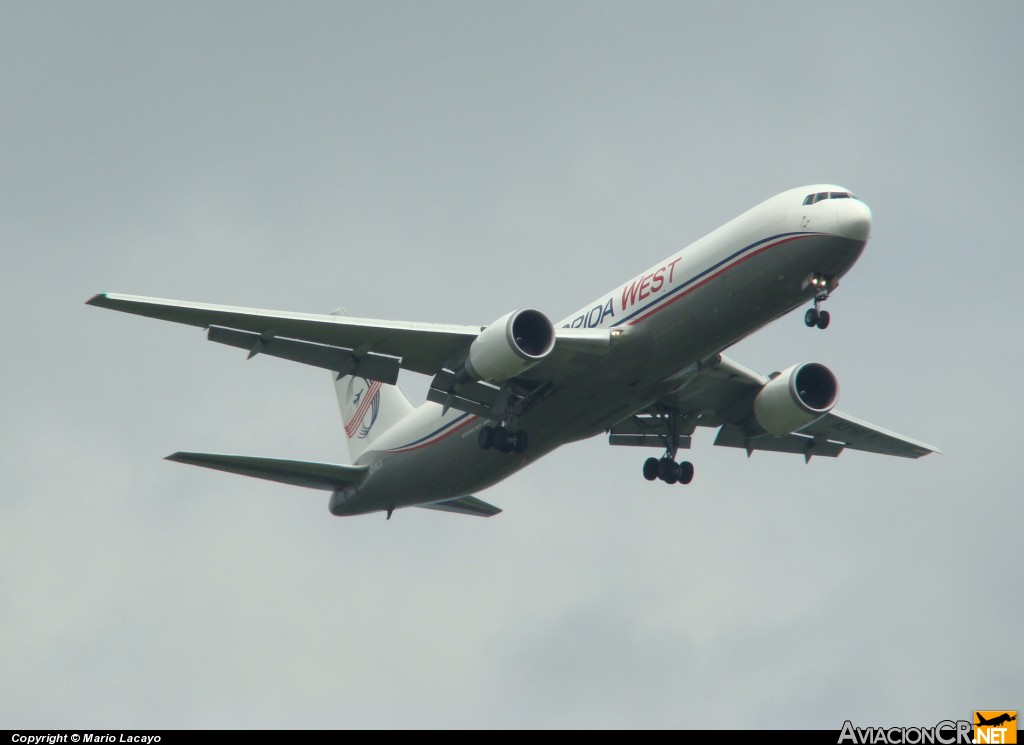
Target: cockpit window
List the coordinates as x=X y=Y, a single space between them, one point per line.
x=813 y=198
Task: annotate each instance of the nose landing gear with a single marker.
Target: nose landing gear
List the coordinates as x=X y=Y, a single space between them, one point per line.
x=823 y=286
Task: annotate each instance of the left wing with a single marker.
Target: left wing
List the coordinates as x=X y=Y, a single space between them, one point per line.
x=720 y=393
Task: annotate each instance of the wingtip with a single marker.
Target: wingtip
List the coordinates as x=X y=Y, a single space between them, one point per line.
x=97 y=299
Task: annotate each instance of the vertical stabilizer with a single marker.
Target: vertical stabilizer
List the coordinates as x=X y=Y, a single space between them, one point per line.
x=368 y=408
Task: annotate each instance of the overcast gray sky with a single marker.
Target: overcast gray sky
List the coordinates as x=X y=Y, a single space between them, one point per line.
x=450 y=162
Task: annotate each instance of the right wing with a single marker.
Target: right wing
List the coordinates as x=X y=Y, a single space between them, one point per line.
x=421 y=347
x=367 y=347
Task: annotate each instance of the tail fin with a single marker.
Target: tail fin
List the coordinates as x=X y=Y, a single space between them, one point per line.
x=368 y=408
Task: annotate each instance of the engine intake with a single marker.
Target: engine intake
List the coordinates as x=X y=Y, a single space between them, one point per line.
x=511 y=345
x=796 y=397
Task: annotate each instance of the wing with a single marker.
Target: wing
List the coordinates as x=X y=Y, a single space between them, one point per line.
x=370 y=348
x=720 y=393
x=295 y=472
x=421 y=347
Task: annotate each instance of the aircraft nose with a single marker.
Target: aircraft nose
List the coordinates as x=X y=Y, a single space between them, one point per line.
x=853 y=219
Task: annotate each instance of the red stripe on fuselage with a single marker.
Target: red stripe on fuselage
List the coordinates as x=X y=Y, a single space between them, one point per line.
x=710 y=277
x=440 y=437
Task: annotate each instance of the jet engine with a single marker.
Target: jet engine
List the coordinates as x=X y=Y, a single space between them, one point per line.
x=511 y=345
x=796 y=397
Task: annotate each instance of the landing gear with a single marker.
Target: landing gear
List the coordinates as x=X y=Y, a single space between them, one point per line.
x=819 y=318
x=502 y=439
x=815 y=316
x=651 y=469
x=667 y=470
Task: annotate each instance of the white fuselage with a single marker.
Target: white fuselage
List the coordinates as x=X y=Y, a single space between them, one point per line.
x=682 y=310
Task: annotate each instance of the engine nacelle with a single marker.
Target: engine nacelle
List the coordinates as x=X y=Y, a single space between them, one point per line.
x=795 y=398
x=513 y=344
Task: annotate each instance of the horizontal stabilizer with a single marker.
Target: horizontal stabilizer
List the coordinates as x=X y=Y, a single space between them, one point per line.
x=464 y=506
x=325 y=476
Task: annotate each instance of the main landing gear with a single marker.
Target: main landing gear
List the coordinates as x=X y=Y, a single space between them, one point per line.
x=503 y=439
x=666 y=469
x=815 y=316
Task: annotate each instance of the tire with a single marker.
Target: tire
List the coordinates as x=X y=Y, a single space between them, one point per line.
x=485 y=438
x=823 y=320
x=651 y=469
x=521 y=441
x=685 y=472
x=668 y=471
x=811 y=318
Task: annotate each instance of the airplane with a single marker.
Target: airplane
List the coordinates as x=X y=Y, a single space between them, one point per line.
x=643 y=363
x=995 y=721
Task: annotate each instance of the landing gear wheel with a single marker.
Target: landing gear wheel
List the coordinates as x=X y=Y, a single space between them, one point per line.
x=811 y=318
x=485 y=439
x=503 y=439
x=651 y=469
x=685 y=472
x=521 y=441
x=823 y=319
x=668 y=470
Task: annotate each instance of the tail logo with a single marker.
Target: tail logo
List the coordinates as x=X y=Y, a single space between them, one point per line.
x=363 y=407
